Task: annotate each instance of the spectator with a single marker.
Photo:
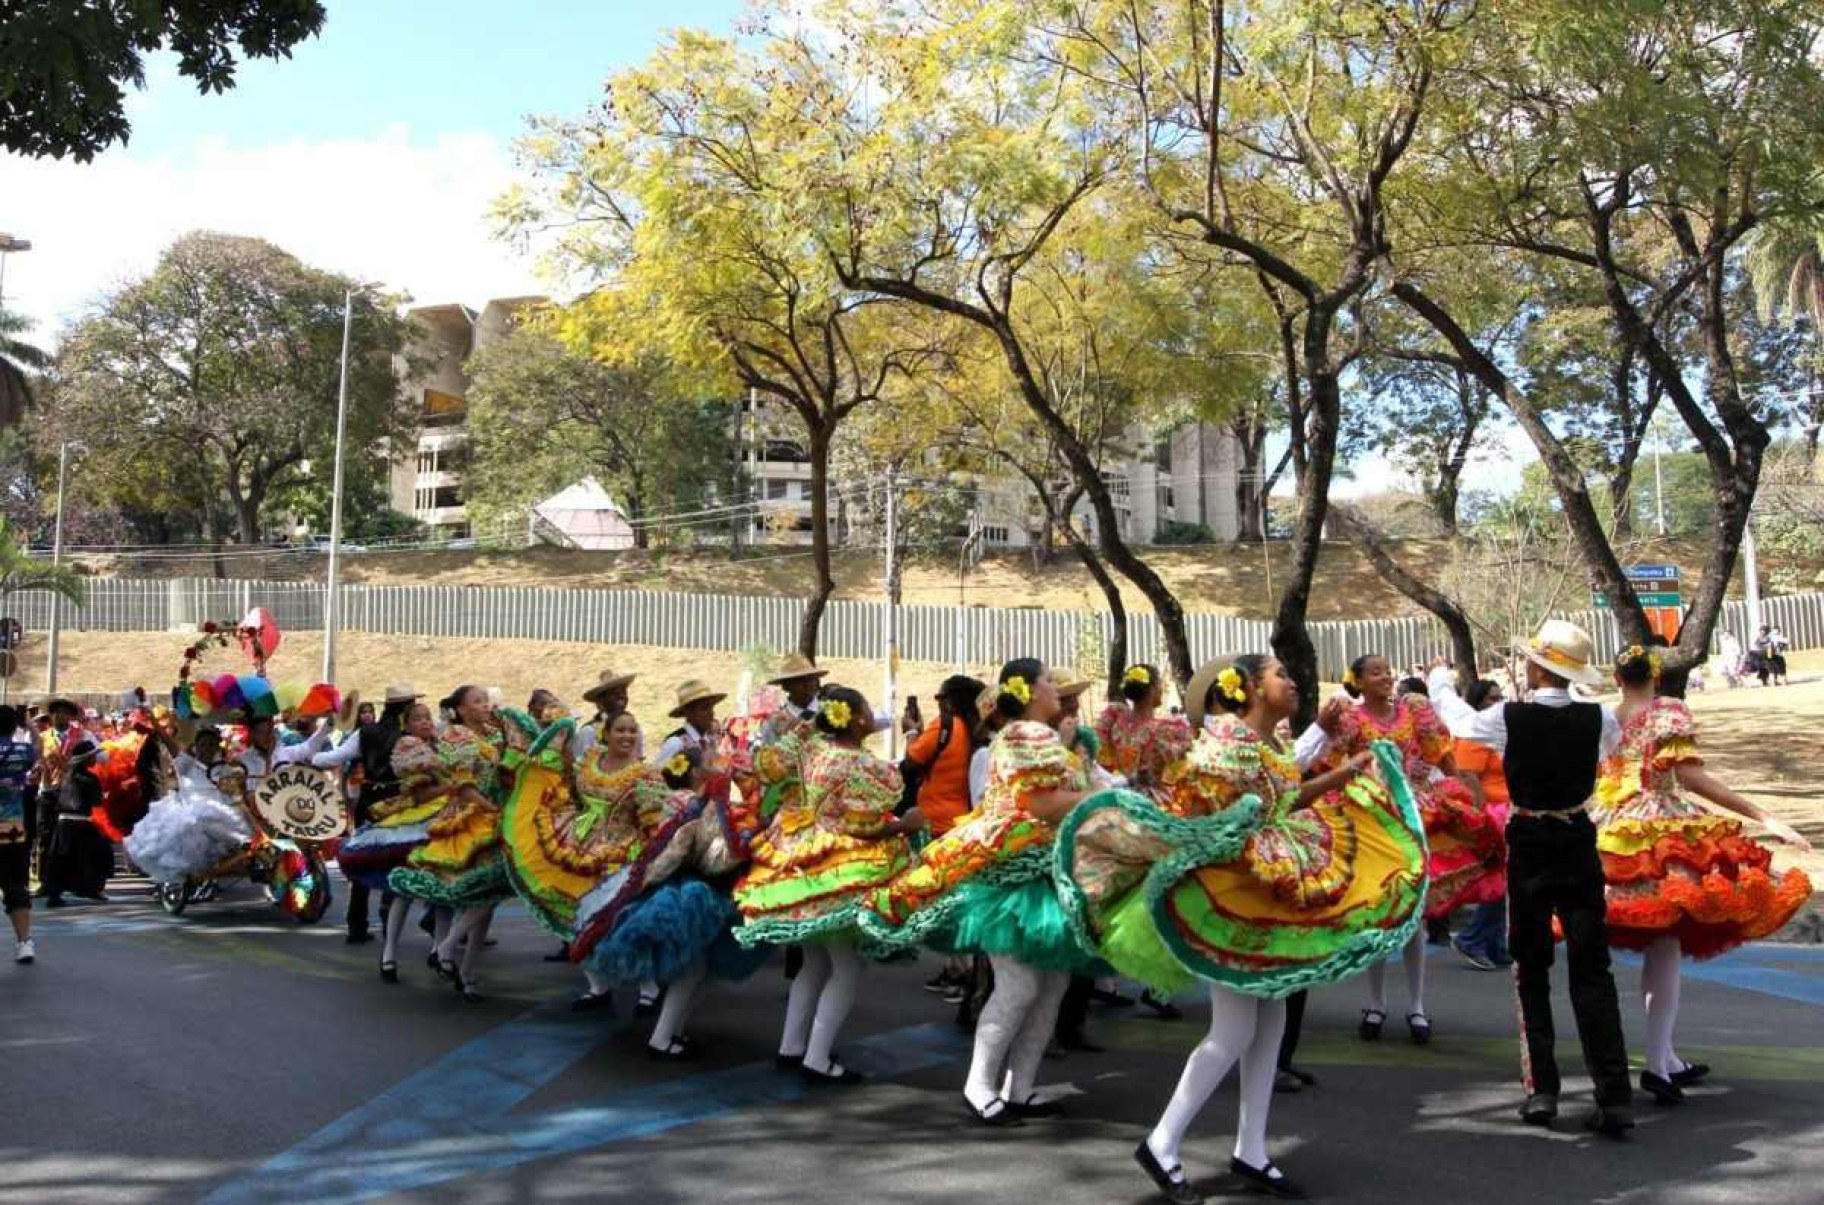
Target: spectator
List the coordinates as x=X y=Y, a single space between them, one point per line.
x=18 y=757
x=1483 y=942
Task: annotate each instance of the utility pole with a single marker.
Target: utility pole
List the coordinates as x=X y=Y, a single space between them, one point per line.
x=63 y=477
x=891 y=626
x=1751 y=572
x=1659 y=488
x=332 y=588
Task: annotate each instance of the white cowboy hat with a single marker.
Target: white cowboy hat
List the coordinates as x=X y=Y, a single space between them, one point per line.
x=794 y=666
x=402 y=692
x=608 y=681
x=695 y=691
x=1564 y=649
x=1070 y=688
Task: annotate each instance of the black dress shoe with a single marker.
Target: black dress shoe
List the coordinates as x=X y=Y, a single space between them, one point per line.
x=844 y=1077
x=1540 y=1109
x=1611 y=1120
x=996 y=1114
x=1034 y=1109
x=1081 y=1044
x=1661 y=1089
x=1284 y=1081
x=1304 y=1077
x=1170 y=1181
x=1268 y=1179
x=788 y=1062
x=358 y=939
x=1690 y=1073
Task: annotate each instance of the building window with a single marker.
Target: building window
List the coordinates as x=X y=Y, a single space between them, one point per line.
x=446 y=497
x=997 y=535
x=775 y=490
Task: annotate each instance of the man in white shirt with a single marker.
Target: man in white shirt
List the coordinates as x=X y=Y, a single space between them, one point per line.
x=697 y=708
x=800 y=678
x=1551 y=747
x=264 y=754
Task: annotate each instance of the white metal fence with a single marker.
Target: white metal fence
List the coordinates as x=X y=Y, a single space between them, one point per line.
x=950 y=635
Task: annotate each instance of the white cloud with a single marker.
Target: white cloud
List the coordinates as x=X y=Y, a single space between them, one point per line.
x=407 y=212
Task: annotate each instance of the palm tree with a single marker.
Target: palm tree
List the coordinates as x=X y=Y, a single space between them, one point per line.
x=1785 y=264
x=20 y=571
x=19 y=360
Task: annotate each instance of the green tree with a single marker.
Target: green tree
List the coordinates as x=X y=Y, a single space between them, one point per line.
x=542 y=416
x=212 y=383
x=676 y=196
x=20 y=571
x=20 y=361
x=64 y=67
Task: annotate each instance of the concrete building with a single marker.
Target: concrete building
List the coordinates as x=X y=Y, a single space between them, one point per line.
x=427 y=483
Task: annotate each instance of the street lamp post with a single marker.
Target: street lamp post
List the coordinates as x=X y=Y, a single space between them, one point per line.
x=9 y=245
x=332 y=589
x=50 y=662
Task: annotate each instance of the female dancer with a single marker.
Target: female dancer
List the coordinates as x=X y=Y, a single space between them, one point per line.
x=1466 y=864
x=1250 y=880
x=822 y=852
x=1138 y=742
x=1682 y=880
x=398 y=825
x=987 y=887
x=459 y=865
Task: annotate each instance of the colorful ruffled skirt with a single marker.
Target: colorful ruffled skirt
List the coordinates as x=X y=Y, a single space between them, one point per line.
x=1468 y=848
x=1676 y=869
x=381 y=846
x=811 y=886
x=1261 y=901
x=667 y=931
x=985 y=887
x=461 y=863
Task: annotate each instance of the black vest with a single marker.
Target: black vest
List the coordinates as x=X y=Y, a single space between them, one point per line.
x=1552 y=754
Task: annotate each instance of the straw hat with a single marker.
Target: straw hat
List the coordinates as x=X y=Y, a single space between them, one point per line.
x=1071 y=687
x=695 y=691
x=1563 y=649
x=1197 y=694
x=795 y=666
x=402 y=692
x=607 y=682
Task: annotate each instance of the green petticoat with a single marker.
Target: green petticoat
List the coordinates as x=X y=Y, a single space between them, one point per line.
x=478 y=888
x=1022 y=921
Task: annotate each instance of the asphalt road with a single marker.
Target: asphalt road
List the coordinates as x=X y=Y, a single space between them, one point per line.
x=229 y=1057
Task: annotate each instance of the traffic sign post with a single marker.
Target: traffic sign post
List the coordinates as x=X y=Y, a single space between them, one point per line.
x=1656 y=587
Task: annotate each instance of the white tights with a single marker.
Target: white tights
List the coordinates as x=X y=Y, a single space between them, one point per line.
x=680 y=997
x=1413 y=956
x=472 y=924
x=1242 y=1029
x=820 y=1000
x=397 y=913
x=1012 y=1032
x=1659 y=979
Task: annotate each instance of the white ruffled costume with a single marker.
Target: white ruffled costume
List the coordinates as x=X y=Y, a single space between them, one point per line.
x=188 y=832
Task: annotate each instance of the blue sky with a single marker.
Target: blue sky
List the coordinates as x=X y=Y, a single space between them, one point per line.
x=375 y=150
x=459 y=65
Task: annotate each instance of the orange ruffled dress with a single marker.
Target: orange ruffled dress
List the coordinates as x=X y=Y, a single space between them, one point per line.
x=1675 y=868
x=1468 y=849
x=1140 y=750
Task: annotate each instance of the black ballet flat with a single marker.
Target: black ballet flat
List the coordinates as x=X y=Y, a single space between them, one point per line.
x=1300 y=1074
x=844 y=1078
x=1268 y=1179
x=590 y=1002
x=389 y=972
x=677 y=1052
x=1034 y=1109
x=788 y=1062
x=467 y=991
x=1287 y=1083
x=1170 y=1181
x=1418 y=1025
x=1690 y=1073
x=1370 y=1027
x=1661 y=1089
x=997 y=1114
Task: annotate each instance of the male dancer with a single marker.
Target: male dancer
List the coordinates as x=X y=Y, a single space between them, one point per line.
x=1550 y=749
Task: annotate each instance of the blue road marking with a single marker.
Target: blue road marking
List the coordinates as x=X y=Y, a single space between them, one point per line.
x=1788 y=972
x=452 y=1120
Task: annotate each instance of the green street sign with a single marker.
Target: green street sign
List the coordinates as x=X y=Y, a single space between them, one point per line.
x=1669 y=601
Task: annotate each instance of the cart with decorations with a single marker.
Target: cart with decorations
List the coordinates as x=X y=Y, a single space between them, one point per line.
x=216 y=827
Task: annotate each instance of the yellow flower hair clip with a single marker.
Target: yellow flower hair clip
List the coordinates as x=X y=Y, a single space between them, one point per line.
x=1230 y=683
x=1138 y=675
x=678 y=766
x=837 y=712
x=1635 y=652
x=1017 y=688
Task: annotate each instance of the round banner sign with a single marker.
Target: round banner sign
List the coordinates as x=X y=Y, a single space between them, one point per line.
x=300 y=802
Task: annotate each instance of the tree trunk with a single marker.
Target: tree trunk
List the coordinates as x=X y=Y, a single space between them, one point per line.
x=1251 y=438
x=1115 y=654
x=1291 y=638
x=820 y=540
x=1361 y=530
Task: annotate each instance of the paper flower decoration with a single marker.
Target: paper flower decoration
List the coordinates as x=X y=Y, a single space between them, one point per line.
x=1018 y=689
x=1138 y=675
x=1230 y=683
x=837 y=712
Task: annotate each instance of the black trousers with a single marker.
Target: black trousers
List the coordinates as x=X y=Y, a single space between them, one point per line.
x=1073 y=1009
x=1295 y=1027
x=1553 y=869
x=359 y=896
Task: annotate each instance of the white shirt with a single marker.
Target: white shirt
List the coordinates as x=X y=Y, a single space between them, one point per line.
x=258 y=766
x=1489 y=727
x=978 y=775
x=685 y=738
